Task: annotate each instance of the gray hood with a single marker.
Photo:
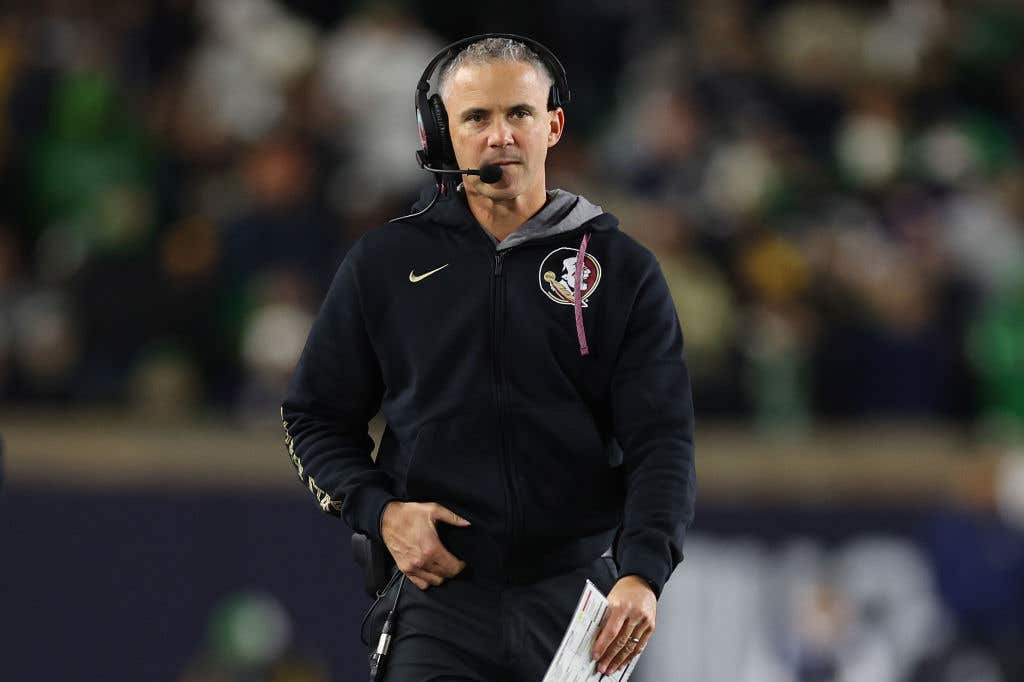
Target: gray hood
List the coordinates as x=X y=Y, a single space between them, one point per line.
x=563 y=211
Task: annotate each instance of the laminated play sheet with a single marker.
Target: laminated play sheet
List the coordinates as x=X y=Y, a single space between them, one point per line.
x=572 y=661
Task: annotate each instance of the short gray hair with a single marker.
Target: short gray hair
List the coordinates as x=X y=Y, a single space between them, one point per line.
x=491 y=50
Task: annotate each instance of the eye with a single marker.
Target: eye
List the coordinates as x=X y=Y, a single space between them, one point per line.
x=475 y=117
x=520 y=113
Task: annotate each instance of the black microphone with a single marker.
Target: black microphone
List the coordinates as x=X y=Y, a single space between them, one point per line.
x=489 y=173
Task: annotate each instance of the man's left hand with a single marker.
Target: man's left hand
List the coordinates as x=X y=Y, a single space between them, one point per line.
x=628 y=624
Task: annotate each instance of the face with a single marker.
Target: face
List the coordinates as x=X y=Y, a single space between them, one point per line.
x=497 y=113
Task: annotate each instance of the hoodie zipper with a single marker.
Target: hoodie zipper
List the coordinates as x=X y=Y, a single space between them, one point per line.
x=508 y=468
x=498 y=319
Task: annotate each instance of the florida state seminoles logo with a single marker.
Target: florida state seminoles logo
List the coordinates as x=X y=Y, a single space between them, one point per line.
x=557 y=275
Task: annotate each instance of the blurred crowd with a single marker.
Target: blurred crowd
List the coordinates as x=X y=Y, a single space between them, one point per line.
x=835 y=190
x=743 y=610
x=804 y=612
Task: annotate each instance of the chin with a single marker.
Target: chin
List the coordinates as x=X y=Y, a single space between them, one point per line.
x=499 y=190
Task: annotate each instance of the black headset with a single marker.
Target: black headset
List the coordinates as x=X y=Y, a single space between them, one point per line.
x=436 y=145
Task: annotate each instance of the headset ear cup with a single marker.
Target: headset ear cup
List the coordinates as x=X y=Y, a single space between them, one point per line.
x=440 y=117
x=427 y=127
x=554 y=98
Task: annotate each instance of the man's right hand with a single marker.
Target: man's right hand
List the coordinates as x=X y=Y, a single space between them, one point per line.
x=409 y=534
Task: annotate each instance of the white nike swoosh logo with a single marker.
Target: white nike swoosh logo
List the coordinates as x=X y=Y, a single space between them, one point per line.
x=415 y=278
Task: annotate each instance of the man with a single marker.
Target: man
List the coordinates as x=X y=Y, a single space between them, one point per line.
x=526 y=423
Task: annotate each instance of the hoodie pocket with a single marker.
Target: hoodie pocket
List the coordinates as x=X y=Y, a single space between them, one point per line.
x=567 y=484
x=455 y=462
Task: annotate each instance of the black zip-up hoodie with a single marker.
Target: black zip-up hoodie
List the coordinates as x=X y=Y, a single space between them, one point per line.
x=546 y=403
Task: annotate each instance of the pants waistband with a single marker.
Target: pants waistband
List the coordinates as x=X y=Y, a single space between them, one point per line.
x=488 y=562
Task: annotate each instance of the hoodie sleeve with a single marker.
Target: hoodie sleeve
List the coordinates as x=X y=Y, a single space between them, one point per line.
x=652 y=415
x=335 y=391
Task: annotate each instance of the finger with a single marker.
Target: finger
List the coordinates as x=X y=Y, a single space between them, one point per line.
x=617 y=660
x=644 y=639
x=615 y=621
x=427 y=579
x=437 y=557
x=445 y=563
x=620 y=647
x=442 y=513
x=428 y=576
x=431 y=560
x=418 y=582
x=632 y=649
x=420 y=570
x=626 y=652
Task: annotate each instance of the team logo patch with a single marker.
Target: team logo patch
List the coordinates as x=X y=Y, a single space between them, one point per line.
x=557 y=275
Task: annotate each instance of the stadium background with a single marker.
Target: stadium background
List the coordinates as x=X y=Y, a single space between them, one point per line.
x=835 y=192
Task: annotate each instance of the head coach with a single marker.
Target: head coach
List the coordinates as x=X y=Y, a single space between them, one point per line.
x=529 y=363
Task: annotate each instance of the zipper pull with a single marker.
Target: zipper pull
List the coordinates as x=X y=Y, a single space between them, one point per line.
x=497 y=263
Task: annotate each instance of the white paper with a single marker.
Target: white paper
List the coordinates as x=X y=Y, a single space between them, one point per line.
x=572 y=661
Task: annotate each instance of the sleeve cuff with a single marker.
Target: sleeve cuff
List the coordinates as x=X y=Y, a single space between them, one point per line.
x=646 y=564
x=654 y=588
x=368 y=507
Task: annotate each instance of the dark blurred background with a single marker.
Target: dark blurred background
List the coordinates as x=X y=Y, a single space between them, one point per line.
x=834 y=190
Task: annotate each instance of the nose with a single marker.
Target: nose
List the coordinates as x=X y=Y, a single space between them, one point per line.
x=500 y=135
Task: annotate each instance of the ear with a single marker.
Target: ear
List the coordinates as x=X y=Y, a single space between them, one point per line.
x=557 y=125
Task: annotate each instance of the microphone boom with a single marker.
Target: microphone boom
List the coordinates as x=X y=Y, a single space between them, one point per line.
x=489 y=173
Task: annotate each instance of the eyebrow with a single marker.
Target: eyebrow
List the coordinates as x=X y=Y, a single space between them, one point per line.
x=529 y=108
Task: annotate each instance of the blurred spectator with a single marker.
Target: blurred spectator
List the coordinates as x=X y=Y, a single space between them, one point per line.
x=833 y=190
x=369 y=71
x=279 y=224
x=249 y=637
x=867 y=610
x=997 y=352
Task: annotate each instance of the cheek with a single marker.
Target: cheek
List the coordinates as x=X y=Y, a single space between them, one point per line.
x=466 y=146
x=538 y=147
x=458 y=139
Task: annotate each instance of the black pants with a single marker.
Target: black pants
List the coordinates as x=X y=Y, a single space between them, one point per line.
x=464 y=631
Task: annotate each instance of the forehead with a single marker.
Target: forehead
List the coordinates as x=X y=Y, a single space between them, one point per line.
x=496 y=82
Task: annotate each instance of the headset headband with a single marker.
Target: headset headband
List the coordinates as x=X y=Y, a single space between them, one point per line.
x=559 y=94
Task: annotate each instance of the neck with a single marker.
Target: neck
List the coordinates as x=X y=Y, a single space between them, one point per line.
x=502 y=217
